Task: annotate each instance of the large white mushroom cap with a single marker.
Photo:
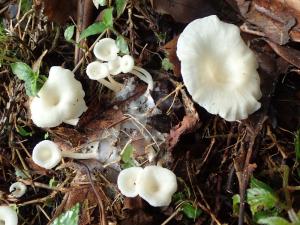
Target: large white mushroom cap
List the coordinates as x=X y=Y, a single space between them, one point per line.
x=127 y=181
x=218 y=68
x=59 y=100
x=106 y=49
x=156 y=185
x=8 y=216
x=46 y=154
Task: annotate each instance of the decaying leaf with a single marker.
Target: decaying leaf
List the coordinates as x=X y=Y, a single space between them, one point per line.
x=171 y=48
x=183 y=11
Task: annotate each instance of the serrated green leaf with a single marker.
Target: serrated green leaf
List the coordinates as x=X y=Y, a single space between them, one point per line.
x=108 y=18
x=166 y=64
x=95 y=28
x=69 y=217
x=69 y=32
x=120 y=7
x=260 y=199
x=255 y=183
x=23 y=132
x=297 y=146
x=190 y=211
x=122 y=44
x=235 y=204
x=273 y=221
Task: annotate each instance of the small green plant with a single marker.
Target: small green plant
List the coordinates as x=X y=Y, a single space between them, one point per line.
x=127 y=159
x=265 y=205
x=33 y=80
x=69 y=217
x=166 y=64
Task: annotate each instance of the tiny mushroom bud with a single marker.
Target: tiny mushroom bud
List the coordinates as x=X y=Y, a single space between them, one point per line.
x=59 y=100
x=47 y=154
x=156 y=185
x=127 y=181
x=8 y=216
x=17 y=189
x=106 y=49
x=219 y=69
x=127 y=63
x=97 y=70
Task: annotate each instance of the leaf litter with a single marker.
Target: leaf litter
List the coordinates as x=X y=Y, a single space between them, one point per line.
x=214 y=159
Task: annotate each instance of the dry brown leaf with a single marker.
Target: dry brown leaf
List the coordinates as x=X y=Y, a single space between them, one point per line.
x=58 y=11
x=171 y=48
x=183 y=11
x=289 y=54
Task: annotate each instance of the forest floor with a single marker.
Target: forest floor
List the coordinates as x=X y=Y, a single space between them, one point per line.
x=227 y=172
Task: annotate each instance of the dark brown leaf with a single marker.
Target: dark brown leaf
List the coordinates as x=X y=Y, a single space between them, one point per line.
x=171 y=48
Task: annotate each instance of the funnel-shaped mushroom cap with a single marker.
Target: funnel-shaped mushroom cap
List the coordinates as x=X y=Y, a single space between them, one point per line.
x=17 y=189
x=115 y=66
x=127 y=181
x=218 y=68
x=127 y=63
x=97 y=70
x=156 y=185
x=8 y=216
x=60 y=99
x=106 y=49
x=46 y=154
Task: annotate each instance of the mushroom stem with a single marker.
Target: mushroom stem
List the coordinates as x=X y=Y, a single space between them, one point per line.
x=116 y=87
x=79 y=155
x=144 y=75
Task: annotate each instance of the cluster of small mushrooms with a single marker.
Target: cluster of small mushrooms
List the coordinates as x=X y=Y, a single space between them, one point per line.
x=218 y=70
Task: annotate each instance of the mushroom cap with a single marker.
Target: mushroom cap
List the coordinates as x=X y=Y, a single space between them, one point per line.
x=97 y=70
x=127 y=63
x=46 y=154
x=60 y=99
x=218 y=68
x=115 y=66
x=156 y=185
x=8 y=216
x=18 y=189
x=127 y=181
x=106 y=49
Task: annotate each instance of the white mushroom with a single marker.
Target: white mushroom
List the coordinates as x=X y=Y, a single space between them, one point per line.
x=106 y=49
x=114 y=66
x=8 y=216
x=156 y=185
x=127 y=63
x=47 y=154
x=59 y=100
x=18 y=189
x=127 y=181
x=97 y=70
x=218 y=68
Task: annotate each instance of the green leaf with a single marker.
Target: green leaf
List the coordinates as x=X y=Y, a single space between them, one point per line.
x=235 y=204
x=69 y=32
x=23 y=132
x=31 y=78
x=273 y=221
x=95 y=28
x=53 y=182
x=260 y=199
x=190 y=211
x=122 y=44
x=108 y=19
x=70 y=217
x=127 y=157
x=166 y=64
x=22 y=70
x=178 y=196
x=25 y=5
x=120 y=7
x=255 y=183
x=297 y=146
